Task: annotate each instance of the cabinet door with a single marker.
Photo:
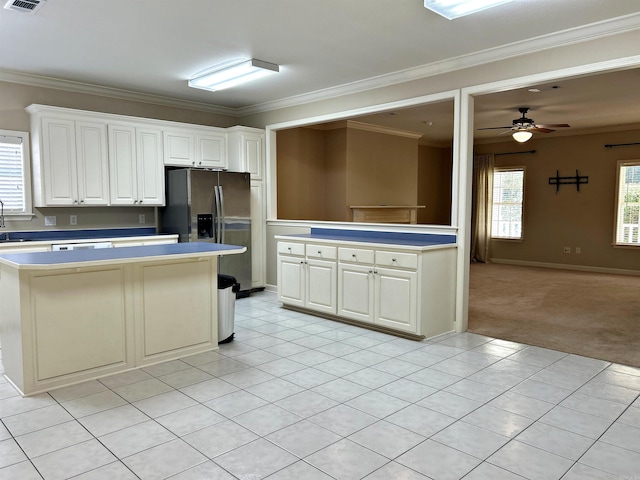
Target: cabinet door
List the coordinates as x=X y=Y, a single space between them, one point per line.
x=211 y=151
x=150 y=170
x=92 y=163
x=257 y=235
x=355 y=292
x=321 y=288
x=291 y=280
x=59 y=170
x=179 y=148
x=122 y=164
x=396 y=294
x=252 y=150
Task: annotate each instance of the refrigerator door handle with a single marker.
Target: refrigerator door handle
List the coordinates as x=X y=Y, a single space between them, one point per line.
x=223 y=220
x=217 y=237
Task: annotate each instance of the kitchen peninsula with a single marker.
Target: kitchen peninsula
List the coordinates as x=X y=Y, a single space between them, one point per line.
x=400 y=283
x=71 y=316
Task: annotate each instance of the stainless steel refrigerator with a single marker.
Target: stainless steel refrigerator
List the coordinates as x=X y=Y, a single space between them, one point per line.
x=211 y=206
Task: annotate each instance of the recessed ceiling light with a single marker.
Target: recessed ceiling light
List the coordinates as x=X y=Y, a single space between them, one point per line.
x=451 y=9
x=534 y=90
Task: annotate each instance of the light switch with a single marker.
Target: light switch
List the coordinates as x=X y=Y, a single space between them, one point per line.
x=50 y=221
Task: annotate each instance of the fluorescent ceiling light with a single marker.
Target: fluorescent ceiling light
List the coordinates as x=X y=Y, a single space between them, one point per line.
x=451 y=9
x=230 y=75
x=522 y=136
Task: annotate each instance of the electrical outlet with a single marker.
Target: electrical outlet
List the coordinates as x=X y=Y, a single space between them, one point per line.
x=567 y=250
x=50 y=221
x=73 y=219
x=141 y=218
x=578 y=250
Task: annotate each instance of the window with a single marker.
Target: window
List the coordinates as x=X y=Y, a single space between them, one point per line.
x=15 y=191
x=628 y=204
x=508 y=198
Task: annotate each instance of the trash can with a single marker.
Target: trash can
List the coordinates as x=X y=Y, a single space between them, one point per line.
x=227 y=289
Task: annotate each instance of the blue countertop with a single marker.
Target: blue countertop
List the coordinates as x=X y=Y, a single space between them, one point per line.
x=87 y=234
x=116 y=255
x=383 y=238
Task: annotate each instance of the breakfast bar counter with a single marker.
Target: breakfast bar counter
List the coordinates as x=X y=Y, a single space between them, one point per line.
x=72 y=316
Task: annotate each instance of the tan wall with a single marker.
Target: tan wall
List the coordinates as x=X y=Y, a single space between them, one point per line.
x=381 y=169
x=13 y=100
x=321 y=173
x=568 y=218
x=301 y=174
x=336 y=176
x=434 y=185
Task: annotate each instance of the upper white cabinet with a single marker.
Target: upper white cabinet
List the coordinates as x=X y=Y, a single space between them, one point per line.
x=135 y=163
x=246 y=151
x=211 y=150
x=179 y=148
x=70 y=165
x=195 y=147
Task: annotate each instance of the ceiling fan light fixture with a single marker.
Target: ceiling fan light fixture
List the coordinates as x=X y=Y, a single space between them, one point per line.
x=232 y=74
x=521 y=136
x=451 y=9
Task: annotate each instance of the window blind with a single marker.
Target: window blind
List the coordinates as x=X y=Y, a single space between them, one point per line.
x=12 y=175
x=628 y=214
x=508 y=198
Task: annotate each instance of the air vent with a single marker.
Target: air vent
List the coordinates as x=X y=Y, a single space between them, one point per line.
x=24 y=6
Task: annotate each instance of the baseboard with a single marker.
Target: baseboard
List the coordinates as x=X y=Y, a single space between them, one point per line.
x=564 y=266
x=271 y=288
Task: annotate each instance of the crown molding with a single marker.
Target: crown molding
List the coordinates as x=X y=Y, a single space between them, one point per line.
x=382 y=129
x=122 y=94
x=574 y=35
x=570 y=36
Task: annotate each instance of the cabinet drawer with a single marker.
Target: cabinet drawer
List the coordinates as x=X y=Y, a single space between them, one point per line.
x=395 y=259
x=322 y=251
x=355 y=255
x=290 y=248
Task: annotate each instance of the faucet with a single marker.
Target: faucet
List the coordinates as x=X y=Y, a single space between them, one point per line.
x=1 y=214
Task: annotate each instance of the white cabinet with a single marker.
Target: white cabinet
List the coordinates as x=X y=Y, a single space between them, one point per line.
x=246 y=151
x=377 y=294
x=179 y=148
x=195 y=147
x=258 y=247
x=211 y=150
x=396 y=299
x=307 y=276
x=135 y=162
x=396 y=288
x=69 y=161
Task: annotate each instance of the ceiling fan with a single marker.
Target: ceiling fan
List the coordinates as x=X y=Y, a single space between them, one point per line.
x=524 y=127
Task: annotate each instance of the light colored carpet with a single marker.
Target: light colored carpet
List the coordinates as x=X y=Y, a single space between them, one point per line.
x=591 y=314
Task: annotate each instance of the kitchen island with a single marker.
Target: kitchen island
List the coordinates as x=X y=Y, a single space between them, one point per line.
x=72 y=316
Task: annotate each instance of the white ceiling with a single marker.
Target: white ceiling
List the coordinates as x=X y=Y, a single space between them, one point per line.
x=324 y=47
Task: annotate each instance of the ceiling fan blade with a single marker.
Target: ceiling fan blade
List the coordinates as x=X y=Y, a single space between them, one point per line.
x=494 y=128
x=553 y=125
x=541 y=129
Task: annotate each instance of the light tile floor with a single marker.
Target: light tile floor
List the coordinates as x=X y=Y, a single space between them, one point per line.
x=297 y=397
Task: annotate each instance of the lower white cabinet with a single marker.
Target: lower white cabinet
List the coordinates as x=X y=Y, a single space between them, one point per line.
x=410 y=290
x=306 y=278
x=377 y=295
